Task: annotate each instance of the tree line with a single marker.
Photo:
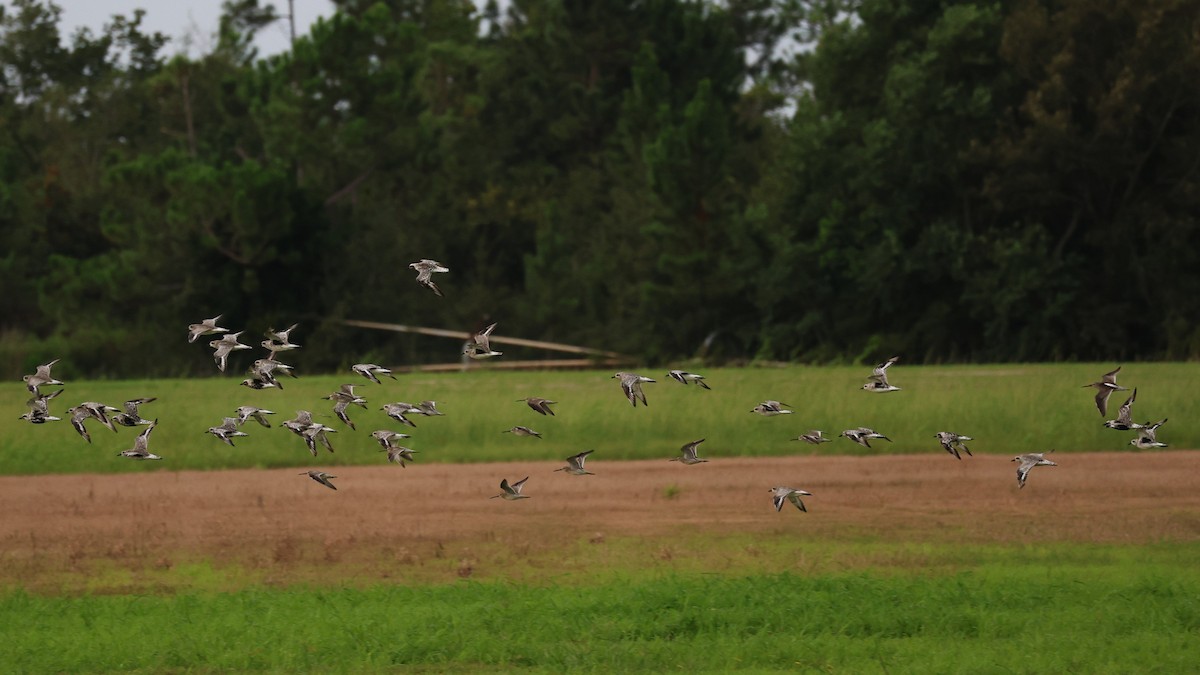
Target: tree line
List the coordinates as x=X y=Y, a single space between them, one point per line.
x=801 y=180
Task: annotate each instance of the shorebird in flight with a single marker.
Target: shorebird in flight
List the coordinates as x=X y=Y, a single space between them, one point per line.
x=814 y=437
x=878 y=381
x=398 y=454
x=788 y=494
x=1027 y=462
x=511 y=492
x=480 y=346
x=39 y=408
x=425 y=269
x=399 y=410
x=631 y=384
x=246 y=412
x=387 y=438
x=575 y=464
x=40 y=378
x=863 y=436
x=227 y=431
x=321 y=477
x=771 y=409
x=205 y=327
x=222 y=348
x=1124 y=421
x=953 y=442
x=371 y=371
x=1147 y=438
x=521 y=431
x=141 y=449
x=539 y=405
x=1105 y=387
x=688 y=454
x=131 y=417
x=684 y=377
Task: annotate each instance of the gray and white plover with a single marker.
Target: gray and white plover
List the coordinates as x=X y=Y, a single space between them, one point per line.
x=141 y=445
x=814 y=437
x=388 y=438
x=398 y=454
x=282 y=337
x=321 y=477
x=631 y=384
x=1147 y=438
x=480 y=346
x=40 y=378
x=575 y=464
x=99 y=411
x=953 y=442
x=539 y=405
x=372 y=371
x=863 y=436
x=788 y=494
x=688 y=454
x=39 y=408
x=425 y=269
x=771 y=409
x=317 y=433
x=248 y=412
x=224 y=346
x=429 y=409
x=227 y=431
x=1124 y=421
x=878 y=381
x=131 y=417
x=1027 y=462
x=205 y=327
x=684 y=377
x=399 y=412
x=1105 y=387
x=521 y=431
x=78 y=417
x=511 y=492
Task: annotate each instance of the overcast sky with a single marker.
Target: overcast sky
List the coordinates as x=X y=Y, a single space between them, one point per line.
x=179 y=19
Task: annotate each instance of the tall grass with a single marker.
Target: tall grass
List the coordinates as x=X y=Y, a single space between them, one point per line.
x=1057 y=616
x=1008 y=409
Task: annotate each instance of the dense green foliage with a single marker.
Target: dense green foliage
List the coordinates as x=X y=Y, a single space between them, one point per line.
x=1008 y=410
x=949 y=181
x=1043 y=609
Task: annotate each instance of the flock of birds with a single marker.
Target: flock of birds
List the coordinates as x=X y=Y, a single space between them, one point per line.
x=264 y=373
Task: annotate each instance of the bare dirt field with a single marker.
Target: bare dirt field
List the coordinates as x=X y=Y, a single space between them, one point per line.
x=436 y=522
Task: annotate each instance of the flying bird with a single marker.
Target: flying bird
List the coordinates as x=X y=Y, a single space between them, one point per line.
x=141 y=445
x=398 y=454
x=321 y=477
x=878 y=381
x=684 y=377
x=863 y=436
x=371 y=371
x=205 y=327
x=247 y=412
x=480 y=345
x=39 y=408
x=1027 y=462
x=688 y=455
x=575 y=464
x=631 y=384
x=511 y=492
x=40 y=378
x=953 y=442
x=789 y=494
x=1147 y=438
x=131 y=417
x=387 y=438
x=425 y=269
x=1105 y=387
x=222 y=348
x=521 y=431
x=539 y=405
x=771 y=409
x=814 y=437
x=1124 y=421
x=227 y=431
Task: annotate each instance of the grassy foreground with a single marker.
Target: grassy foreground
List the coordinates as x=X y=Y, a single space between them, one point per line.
x=1111 y=610
x=1008 y=409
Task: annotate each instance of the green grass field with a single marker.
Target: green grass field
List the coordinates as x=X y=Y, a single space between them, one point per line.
x=1008 y=409
x=1058 y=608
